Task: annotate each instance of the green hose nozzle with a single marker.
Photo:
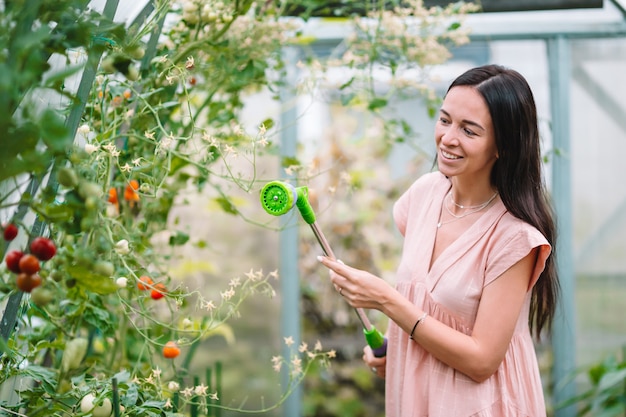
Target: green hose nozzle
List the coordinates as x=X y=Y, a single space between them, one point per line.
x=278 y=197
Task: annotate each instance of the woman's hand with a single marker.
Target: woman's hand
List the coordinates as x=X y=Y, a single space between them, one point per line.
x=377 y=365
x=360 y=288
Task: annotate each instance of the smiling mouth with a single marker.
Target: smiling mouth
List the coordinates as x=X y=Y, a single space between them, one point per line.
x=449 y=155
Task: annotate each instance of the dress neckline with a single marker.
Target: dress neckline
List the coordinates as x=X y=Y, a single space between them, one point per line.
x=457 y=247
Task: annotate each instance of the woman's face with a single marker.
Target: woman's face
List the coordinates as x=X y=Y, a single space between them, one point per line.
x=466 y=145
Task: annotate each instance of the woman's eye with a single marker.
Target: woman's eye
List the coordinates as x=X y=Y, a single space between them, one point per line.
x=443 y=120
x=468 y=132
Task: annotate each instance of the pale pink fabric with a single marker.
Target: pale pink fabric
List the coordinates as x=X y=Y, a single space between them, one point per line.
x=417 y=384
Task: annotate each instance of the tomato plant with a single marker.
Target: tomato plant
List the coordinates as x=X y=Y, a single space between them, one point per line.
x=127 y=155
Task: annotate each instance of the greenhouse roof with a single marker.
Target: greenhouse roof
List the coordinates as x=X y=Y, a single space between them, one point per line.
x=606 y=21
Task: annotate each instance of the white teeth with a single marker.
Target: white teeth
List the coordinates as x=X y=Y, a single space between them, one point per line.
x=449 y=155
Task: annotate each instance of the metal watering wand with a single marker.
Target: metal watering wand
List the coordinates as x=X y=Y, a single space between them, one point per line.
x=277 y=198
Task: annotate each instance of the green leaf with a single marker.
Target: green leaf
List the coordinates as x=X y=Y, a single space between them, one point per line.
x=4 y=348
x=53 y=131
x=91 y=281
x=47 y=377
x=376 y=104
x=612 y=378
x=347 y=84
x=268 y=123
x=122 y=376
x=289 y=161
x=346 y=99
x=226 y=205
x=179 y=239
x=131 y=397
x=57 y=212
x=55 y=79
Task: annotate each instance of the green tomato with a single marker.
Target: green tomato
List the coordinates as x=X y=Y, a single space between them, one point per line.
x=89 y=189
x=104 y=268
x=74 y=353
x=41 y=296
x=67 y=177
x=136 y=52
x=87 y=404
x=132 y=74
x=108 y=65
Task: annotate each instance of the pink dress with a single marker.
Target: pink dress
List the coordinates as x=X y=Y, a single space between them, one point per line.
x=419 y=385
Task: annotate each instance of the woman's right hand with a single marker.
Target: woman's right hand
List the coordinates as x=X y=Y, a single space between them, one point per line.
x=377 y=365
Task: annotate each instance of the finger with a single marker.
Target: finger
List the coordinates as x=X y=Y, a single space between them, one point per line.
x=335 y=265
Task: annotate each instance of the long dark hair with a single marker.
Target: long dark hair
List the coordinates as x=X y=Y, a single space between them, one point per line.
x=517 y=172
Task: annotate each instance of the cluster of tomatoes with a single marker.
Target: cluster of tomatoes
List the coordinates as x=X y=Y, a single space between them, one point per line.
x=27 y=265
x=157 y=291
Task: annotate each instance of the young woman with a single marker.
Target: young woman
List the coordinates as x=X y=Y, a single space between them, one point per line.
x=476 y=273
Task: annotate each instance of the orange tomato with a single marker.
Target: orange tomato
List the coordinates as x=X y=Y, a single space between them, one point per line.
x=130 y=193
x=117 y=101
x=171 y=350
x=145 y=282
x=112 y=196
x=29 y=264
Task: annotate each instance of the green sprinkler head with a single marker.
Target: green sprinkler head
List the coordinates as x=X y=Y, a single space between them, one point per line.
x=278 y=197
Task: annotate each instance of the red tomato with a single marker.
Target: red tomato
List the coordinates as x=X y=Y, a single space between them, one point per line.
x=13 y=260
x=10 y=232
x=158 y=291
x=171 y=350
x=29 y=264
x=27 y=282
x=43 y=248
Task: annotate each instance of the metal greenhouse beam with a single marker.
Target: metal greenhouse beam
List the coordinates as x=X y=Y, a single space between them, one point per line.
x=289 y=253
x=564 y=327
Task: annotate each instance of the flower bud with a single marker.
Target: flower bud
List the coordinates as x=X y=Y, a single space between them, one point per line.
x=122 y=248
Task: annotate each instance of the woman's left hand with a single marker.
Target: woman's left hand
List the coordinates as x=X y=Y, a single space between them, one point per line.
x=361 y=289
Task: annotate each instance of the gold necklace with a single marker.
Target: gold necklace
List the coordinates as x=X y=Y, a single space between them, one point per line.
x=461 y=206
x=475 y=209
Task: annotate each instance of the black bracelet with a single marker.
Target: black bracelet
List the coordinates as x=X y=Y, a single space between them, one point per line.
x=421 y=319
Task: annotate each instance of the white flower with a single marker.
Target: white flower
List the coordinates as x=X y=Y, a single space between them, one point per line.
x=201 y=390
x=122 y=248
x=187 y=323
x=173 y=386
x=121 y=282
x=89 y=148
x=84 y=130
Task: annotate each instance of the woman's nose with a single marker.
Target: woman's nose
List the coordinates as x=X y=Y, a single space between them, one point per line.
x=449 y=137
